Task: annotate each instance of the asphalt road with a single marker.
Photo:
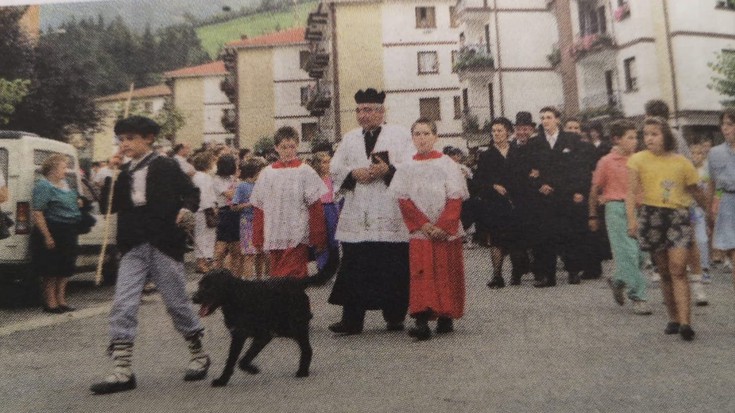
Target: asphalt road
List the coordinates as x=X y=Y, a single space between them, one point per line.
x=519 y=349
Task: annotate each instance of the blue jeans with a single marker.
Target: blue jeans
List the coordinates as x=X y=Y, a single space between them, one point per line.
x=168 y=275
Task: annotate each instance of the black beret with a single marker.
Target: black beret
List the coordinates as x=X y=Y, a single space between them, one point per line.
x=369 y=95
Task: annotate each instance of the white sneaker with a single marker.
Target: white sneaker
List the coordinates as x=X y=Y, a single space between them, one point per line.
x=641 y=308
x=655 y=276
x=700 y=298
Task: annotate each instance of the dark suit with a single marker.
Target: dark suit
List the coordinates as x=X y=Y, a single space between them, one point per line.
x=559 y=222
x=168 y=190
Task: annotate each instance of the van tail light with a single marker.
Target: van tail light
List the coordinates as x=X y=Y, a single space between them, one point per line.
x=23 y=218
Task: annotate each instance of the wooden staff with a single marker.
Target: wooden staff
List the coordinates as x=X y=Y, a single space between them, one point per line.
x=103 y=251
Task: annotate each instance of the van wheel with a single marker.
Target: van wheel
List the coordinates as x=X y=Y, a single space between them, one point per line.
x=109 y=267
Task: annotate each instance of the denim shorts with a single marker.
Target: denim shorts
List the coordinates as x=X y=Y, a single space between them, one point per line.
x=664 y=228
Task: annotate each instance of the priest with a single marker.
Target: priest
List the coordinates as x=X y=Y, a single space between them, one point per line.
x=374 y=274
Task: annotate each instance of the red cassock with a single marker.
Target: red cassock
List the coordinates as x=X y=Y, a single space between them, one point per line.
x=292 y=262
x=437 y=267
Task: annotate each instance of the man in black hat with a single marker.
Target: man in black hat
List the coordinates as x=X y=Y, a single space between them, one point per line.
x=374 y=274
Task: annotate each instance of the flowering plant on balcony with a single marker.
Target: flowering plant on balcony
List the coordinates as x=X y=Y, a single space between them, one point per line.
x=554 y=57
x=473 y=56
x=589 y=43
x=622 y=12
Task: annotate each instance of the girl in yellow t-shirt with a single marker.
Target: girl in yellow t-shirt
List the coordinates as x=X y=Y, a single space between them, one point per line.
x=668 y=182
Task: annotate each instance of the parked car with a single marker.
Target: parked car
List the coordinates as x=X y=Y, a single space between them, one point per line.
x=21 y=156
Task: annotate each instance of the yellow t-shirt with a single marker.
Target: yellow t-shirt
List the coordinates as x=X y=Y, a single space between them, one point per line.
x=664 y=179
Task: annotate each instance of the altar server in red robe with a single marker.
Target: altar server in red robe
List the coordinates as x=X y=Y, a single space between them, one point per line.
x=430 y=190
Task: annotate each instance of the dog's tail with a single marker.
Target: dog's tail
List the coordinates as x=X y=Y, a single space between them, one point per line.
x=326 y=273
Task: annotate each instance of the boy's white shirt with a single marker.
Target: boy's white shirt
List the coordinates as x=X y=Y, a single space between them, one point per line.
x=284 y=195
x=370 y=212
x=429 y=184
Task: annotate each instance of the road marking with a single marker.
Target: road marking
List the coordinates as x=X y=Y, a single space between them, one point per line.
x=55 y=319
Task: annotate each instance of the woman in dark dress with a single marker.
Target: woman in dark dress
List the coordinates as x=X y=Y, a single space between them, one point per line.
x=494 y=182
x=54 y=242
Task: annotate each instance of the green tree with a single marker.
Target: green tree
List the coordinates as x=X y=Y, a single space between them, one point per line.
x=170 y=119
x=16 y=50
x=11 y=93
x=263 y=145
x=724 y=82
x=179 y=46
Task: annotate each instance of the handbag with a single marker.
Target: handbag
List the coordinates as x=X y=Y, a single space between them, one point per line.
x=211 y=217
x=88 y=220
x=5 y=224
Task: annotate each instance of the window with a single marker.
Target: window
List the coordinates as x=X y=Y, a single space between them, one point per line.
x=725 y=4
x=591 y=19
x=429 y=109
x=308 y=131
x=601 y=20
x=487 y=38
x=425 y=18
x=303 y=57
x=148 y=107
x=304 y=95
x=454 y=59
x=428 y=63
x=457 y=107
x=453 y=22
x=631 y=75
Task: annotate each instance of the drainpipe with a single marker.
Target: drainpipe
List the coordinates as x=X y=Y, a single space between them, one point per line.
x=500 y=61
x=335 y=74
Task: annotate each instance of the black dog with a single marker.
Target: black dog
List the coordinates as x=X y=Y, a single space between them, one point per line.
x=258 y=309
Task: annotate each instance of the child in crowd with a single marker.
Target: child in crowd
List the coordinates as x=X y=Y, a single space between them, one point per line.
x=227 y=248
x=699 y=159
x=330 y=256
x=610 y=187
x=204 y=233
x=668 y=182
x=722 y=174
x=289 y=216
x=253 y=262
x=430 y=191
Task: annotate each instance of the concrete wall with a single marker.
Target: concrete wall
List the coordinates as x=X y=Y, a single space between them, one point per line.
x=256 y=94
x=215 y=102
x=189 y=99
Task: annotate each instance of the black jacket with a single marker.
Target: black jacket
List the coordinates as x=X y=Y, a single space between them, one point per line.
x=168 y=190
x=567 y=168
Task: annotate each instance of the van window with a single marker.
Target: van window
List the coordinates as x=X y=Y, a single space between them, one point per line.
x=40 y=155
x=4 y=163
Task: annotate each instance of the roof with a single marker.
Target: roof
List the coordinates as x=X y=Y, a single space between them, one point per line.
x=207 y=69
x=146 y=92
x=290 y=36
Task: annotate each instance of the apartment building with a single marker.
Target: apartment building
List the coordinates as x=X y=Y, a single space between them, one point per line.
x=405 y=48
x=598 y=58
x=145 y=101
x=198 y=95
x=267 y=85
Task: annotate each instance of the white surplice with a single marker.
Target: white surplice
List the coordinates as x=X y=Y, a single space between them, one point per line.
x=284 y=195
x=370 y=212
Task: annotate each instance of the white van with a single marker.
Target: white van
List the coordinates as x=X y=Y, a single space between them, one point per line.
x=21 y=156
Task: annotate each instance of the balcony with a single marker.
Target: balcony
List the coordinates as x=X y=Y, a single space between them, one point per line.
x=317 y=63
x=316 y=25
x=472 y=10
x=474 y=62
x=590 y=44
x=601 y=105
x=229 y=120
x=229 y=57
x=471 y=130
x=228 y=85
x=319 y=99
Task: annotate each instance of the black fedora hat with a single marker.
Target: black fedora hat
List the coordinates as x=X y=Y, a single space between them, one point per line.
x=524 y=118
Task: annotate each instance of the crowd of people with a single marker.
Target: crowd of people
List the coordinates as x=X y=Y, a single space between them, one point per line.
x=394 y=211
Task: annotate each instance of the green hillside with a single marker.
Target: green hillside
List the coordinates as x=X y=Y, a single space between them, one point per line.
x=216 y=35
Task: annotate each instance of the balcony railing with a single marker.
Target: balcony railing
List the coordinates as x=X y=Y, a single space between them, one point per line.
x=317 y=63
x=474 y=59
x=228 y=85
x=229 y=120
x=473 y=129
x=602 y=105
x=316 y=24
x=319 y=99
x=464 y=6
x=229 y=57
x=590 y=43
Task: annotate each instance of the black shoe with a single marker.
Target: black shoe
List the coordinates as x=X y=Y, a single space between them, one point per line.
x=591 y=275
x=544 y=283
x=345 y=329
x=515 y=280
x=574 y=278
x=67 y=308
x=496 y=282
x=444 y=325
x=106 y=387
x=672 y=328
x=421 y=332
x=398 y=326
x=686 y=332
x=53 y=310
